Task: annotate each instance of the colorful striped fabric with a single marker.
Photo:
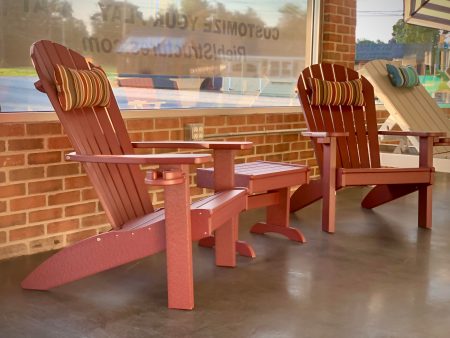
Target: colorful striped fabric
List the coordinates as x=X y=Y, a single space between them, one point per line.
x=347 y=93
x=81 y=88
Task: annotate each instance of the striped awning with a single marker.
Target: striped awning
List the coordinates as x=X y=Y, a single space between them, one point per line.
x=428 y=13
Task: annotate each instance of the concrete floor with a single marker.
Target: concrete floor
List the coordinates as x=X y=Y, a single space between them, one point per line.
x=378 y=276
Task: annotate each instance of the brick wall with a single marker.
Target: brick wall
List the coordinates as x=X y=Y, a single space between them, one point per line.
x=47 y=203
x=338 y=32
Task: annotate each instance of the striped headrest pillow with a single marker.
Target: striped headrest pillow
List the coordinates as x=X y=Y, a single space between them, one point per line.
x=81 y=88
x=345 y=93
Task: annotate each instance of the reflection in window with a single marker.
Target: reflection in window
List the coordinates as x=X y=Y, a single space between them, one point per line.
x=427 y=49
x=151 y=48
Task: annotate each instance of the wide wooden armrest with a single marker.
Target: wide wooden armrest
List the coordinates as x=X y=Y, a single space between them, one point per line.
x=194 y=145
x=412 y=133
x=142 y=159
x=323 y=134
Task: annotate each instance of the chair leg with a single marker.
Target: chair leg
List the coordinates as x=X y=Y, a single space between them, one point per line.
x=242 y=247
x=329 y=187
x=277 y=219
x=425 y=206
x=180 y=279
x=225 y=243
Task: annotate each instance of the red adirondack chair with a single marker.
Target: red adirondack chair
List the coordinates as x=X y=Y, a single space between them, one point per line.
x=102 y=144
x=345 y=140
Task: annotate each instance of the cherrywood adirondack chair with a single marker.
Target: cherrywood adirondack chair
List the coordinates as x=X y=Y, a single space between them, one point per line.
x=345 y=139
x=102 y=144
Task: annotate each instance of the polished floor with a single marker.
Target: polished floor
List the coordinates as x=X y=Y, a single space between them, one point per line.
x=378 y=276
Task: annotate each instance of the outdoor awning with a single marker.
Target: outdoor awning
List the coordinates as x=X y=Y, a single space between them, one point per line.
x=428 y=13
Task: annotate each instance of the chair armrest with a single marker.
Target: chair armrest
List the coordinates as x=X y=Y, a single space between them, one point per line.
x=194 y=145
x=412 y=133
x=142 y=159
x=324 y=134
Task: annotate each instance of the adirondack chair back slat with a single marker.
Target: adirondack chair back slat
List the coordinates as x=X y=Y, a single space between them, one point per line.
x=97 y=131
x=361 y=148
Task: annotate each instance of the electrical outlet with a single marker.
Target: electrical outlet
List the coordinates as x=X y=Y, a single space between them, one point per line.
x=193 y=131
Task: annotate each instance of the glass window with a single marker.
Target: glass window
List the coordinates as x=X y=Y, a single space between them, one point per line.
x=162 y=53
x=427 y=49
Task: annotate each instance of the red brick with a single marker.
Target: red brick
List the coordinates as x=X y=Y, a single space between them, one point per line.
x=44 y=158
x=12 y=160
x=329 y=28
x=88 y=194
x=140 y=124
x=167 y=123
x=78 y=236
x=288 y=157
x=329 y=8
x=351 y=21
x=236 y=119
x=342 y=48
x=333 y=18
x=50 y=128
x=63 y=169
x=307 y=154
x=273 y=138
x=259 y=139
x=156 y=135
x=332 y=37
x=290 y=137
x=44 y=215
x=2 y=177
x=2 y=145
x=176 y=135
x=27 y=232
x=44 y=186
x=26 y=144
x=64 y=197
x=12 y=190
x=215 y=120
x=244 y=129
x=26 y=174
x=343 y=10
x=80 y=209
x=28 y=202
x=13 y=250
x=12 y=129
x=296 y=117
x=13 y=219
x=259 y=119
x=2 y=237
x=274 y=158
x=63 y=226
x=94 y=220
x=264 y=149
x=281 y=147
x=76 y=182
x=226 y=130
x=59 y=142
x=2 y=206
x=274 y=118
x=342 y=29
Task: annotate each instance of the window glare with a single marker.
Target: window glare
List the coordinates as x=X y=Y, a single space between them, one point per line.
x=162 y=53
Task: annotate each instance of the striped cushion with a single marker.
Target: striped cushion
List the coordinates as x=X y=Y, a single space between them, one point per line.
x=346 y=93
x=81 y=88
x=403 y=76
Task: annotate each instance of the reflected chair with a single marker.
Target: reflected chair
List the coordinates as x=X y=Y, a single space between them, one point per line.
x=411 y=109
x=101 y=142
x=341 y=120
